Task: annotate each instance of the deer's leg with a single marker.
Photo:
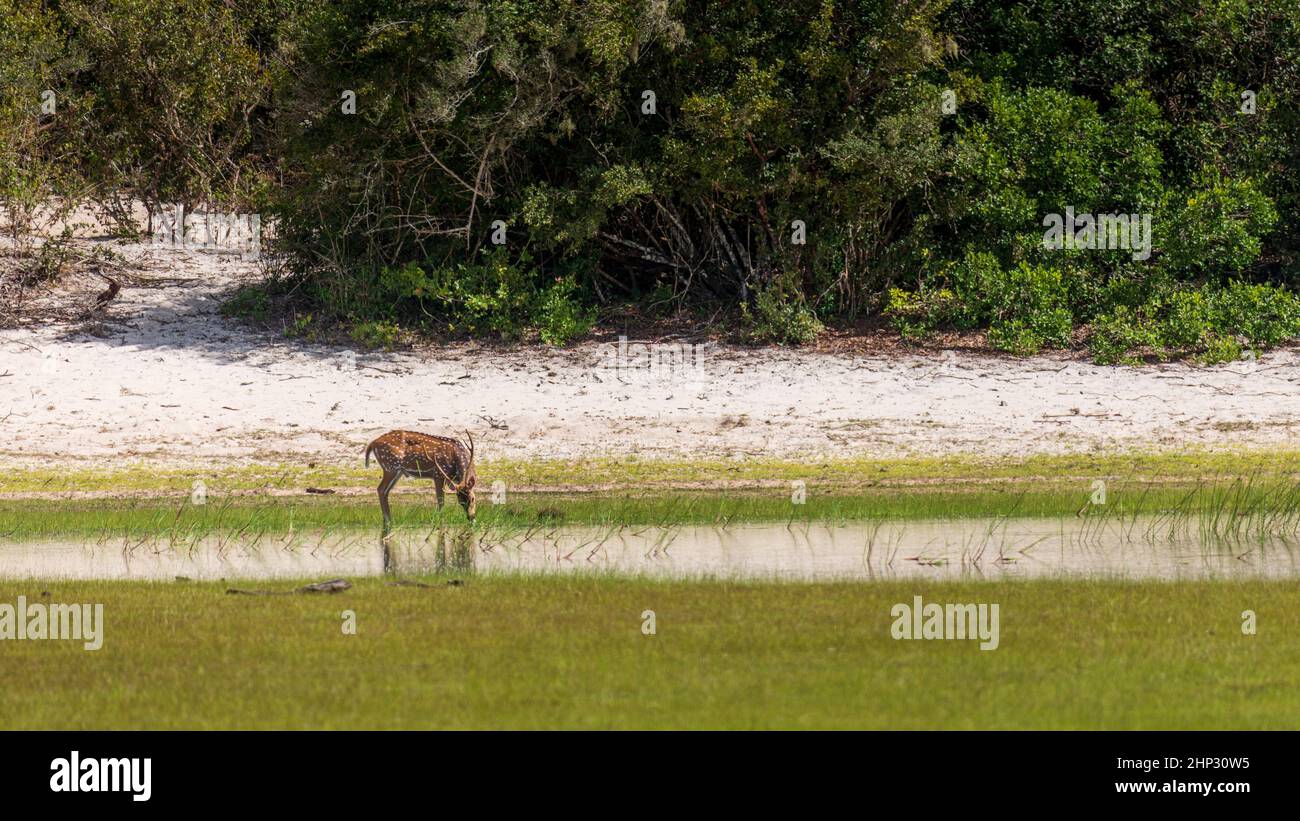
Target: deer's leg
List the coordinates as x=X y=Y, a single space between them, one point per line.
x=386 y=485
x=437 y=489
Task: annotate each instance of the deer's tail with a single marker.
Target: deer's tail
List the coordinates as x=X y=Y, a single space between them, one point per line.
x=369 y=448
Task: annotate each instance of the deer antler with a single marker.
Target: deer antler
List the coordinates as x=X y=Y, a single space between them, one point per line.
x=455 y=486
x=459 y=486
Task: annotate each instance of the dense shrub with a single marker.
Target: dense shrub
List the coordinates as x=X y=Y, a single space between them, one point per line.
x=1216 y=226
x=519 y=164
x=536 y=114
x=1212 y=324
x=1025 y=307
x=780 y=315
x=162 y=107
x=497 y=295
x=33 y=165
x=1041 y=151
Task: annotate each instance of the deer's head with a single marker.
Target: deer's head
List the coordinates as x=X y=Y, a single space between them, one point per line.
x=468 y=478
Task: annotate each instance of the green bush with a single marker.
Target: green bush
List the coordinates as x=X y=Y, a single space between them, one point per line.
x=1188 y=320
x=384 y=335
x=496 y=295
x=780 y=317
x=560 y=317
x=1210 y=323
x=33 y=165
x=492 y=295
x=1122 y=336
x=916 y=315
x=1220 y=349
x=1264 y=315
x=1026 y=307
x=1216 y=226
x=1042 y=150
x=164 y=103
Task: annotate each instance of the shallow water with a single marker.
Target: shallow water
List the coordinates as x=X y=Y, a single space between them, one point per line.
x=1016 y=548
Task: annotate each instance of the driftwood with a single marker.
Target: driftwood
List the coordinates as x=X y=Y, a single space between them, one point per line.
x=411 y=583
x=331 y=586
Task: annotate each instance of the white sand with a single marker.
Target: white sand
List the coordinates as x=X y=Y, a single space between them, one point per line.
x=164 y=377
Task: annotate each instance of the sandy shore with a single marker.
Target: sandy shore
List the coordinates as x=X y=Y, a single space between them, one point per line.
x=159 y=375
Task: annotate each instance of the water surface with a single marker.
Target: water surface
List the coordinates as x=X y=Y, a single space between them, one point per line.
x=1004 y=548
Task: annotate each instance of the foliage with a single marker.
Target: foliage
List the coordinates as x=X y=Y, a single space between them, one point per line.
x=163 y=106
x=33 y=167
x=497 y=294
x=1025 y=307
x=779 y=315
x=1212 y=323
x=516 y=166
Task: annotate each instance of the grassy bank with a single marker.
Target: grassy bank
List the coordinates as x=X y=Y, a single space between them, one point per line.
x=138 y=502
x=569 y=652
x=632 y=473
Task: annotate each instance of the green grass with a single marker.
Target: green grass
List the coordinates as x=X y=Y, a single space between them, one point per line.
x=1253 y=500
x=631 y=473
x=554 y=651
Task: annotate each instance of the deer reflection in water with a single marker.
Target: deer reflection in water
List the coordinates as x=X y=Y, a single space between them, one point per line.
x=453 y=550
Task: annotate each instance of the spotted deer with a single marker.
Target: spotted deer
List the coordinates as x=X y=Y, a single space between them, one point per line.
x=440 y=458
